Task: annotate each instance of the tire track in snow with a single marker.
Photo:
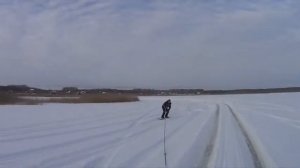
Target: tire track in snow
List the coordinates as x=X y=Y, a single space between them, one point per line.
x=258 y=162
x=210 y=152
x=76 y=156
x=127 y=135
x=57 y=125
x=153 y=150
x=51 y=147
x=64 y=132
x=69 y=143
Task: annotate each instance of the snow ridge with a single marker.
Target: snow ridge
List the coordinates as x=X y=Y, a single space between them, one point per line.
x=211 y=150
x=260 y=157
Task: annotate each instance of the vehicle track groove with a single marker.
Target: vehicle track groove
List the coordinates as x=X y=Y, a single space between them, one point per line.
x=208 y=153
x=258 y=162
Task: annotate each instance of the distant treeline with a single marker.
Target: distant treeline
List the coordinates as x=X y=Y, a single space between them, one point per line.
x=252 y=91
x=26 y=90
x=16 y=88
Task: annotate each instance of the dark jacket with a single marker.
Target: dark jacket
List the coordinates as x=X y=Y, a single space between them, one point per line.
x=167 y=105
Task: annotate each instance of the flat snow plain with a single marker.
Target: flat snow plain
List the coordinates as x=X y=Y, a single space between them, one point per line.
x=260 y=130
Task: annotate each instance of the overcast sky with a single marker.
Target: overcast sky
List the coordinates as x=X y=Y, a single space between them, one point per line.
x=210 y=44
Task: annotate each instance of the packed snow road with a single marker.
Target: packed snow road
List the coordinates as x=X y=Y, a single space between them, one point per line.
x=205 y=131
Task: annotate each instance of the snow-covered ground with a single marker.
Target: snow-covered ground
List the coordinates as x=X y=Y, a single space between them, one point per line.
x=203 y=131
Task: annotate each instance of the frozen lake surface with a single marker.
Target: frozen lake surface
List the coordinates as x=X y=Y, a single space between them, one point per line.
x=203 y=131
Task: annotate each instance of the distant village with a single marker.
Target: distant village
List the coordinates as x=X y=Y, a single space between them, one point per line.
x=72 y=91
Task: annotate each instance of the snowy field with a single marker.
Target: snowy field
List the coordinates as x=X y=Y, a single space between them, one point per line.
x=203 y=131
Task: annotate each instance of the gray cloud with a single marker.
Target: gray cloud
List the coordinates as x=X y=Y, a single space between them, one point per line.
x=150 y=44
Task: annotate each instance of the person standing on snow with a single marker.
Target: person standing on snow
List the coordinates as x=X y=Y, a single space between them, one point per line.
x=166 y=109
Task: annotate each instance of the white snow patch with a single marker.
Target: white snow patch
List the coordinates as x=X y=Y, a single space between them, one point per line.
x=131 y=135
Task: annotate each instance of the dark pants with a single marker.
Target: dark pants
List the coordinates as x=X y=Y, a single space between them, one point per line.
x=165 y=113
